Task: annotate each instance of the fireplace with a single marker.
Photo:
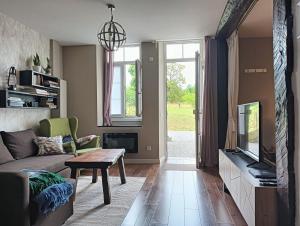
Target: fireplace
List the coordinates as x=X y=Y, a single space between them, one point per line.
x=129 y=141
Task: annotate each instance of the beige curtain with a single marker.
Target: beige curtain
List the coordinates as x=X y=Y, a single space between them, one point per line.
x=233 y=89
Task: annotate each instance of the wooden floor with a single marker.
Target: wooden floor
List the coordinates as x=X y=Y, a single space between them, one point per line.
x=180 y=195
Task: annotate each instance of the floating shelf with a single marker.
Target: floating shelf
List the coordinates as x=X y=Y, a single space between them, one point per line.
x=35 y=91
x=30 y=94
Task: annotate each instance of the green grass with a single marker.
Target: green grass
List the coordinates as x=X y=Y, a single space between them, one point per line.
x=180 y=118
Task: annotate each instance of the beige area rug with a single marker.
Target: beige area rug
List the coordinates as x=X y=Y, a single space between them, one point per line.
x=89 y=208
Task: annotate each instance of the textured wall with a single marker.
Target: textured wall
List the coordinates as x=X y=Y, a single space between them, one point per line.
x=17 y=44
x=296 y=88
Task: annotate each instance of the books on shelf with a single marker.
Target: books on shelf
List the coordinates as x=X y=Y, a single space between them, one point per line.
x=51 y=84
x=34 y=90
x=49 y=102
x=15 y=102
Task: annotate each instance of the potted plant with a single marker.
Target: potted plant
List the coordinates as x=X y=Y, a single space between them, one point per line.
x=48 y=68
x=36 y=63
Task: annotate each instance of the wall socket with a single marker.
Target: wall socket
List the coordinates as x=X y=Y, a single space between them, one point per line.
x=148 y=147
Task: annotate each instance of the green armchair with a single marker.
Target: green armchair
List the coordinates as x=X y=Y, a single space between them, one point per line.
x=67 y=127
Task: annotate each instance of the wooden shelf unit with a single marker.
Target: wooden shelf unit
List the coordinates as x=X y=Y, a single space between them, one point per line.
x=257 y=204
x=29 y=82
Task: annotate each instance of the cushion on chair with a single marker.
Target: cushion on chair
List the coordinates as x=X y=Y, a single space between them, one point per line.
x=58 y=127
x=5 y=155
x=49 y=145
x=20 y=144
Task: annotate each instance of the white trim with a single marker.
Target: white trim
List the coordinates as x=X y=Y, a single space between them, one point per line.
x=142 y=161
x=162 y=160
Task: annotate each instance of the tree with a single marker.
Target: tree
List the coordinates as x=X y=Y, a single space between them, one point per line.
x=175 y=83
x=189 y=95
x=131 y=91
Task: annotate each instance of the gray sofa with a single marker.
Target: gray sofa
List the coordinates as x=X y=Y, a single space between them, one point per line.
x=15 y=206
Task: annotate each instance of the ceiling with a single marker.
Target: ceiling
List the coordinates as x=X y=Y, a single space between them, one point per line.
x=258 y=23
x=78 y=21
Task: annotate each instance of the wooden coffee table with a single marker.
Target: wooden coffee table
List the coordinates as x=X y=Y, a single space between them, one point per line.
x=99 y=159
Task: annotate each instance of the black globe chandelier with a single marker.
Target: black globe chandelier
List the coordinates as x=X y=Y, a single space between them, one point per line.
x=112 y=35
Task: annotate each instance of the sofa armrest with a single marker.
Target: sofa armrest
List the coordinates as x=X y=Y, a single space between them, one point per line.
x=94 y=143
x=14 y=199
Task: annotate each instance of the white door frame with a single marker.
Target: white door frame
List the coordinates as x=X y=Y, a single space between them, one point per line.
x=165 y=61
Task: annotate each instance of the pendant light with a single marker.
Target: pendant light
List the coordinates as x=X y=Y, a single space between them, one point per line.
x=112 y=35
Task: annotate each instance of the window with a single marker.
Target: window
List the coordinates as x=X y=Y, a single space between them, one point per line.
x=126 y=90
x=182 y=50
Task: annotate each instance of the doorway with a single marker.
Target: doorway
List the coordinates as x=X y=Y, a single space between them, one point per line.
x=180 y=104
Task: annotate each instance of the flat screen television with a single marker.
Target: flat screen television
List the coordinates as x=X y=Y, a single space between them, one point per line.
x=249 y=130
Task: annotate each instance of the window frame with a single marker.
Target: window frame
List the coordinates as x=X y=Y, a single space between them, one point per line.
x=182 y=58
x=122 y=64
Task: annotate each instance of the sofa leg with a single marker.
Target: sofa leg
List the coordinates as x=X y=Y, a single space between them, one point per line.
x=95 y=176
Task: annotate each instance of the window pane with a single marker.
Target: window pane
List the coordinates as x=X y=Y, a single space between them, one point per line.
x=116 y=95
x=190 y=49
x=132 y=53
x=118 y=55
x=130 y=99
x=174 y=51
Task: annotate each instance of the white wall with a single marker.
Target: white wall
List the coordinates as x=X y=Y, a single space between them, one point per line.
x=17 y=45
x=296 y=89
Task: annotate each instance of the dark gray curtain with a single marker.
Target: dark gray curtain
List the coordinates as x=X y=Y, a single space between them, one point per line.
x=222 y=91
x=209 y=140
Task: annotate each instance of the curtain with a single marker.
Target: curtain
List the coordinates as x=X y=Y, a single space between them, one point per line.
x=209 y=139
x=233 y=89
x=107 y=89
x=138 y=69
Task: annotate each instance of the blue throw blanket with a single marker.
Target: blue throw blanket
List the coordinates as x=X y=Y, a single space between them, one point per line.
x=48 y=190
x=53 y=197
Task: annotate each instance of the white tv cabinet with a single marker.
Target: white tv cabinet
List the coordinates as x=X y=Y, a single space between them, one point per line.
x=257 y=204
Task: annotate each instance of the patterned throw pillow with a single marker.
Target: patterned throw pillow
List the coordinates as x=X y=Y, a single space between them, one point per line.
x=49 y=145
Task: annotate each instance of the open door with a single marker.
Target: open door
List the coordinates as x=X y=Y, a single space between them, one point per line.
x=198 y=106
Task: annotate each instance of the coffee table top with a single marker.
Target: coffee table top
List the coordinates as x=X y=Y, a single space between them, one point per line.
x=96 y=159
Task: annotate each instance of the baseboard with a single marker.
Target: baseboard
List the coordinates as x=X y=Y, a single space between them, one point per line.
x=162 y=160
x=142 y=161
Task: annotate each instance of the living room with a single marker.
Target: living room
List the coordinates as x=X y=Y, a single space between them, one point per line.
x=149 y=113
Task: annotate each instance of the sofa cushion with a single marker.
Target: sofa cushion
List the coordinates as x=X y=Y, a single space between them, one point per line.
x=20 y=144
x=5 y=155
x=49 y=145
x=52 y=163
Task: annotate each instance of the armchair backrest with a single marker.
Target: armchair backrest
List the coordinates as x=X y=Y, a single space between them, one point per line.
x=55 y=127
x=61 y=127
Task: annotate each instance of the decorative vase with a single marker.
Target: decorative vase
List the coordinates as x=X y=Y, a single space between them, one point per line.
x=37 y=68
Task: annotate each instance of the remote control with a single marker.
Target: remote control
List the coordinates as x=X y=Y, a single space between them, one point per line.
x=267 y=184
x=267 y=180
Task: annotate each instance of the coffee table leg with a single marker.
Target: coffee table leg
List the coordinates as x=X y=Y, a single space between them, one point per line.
x=122 y=170
x=95 y=175
x=105 y=185
x=74 y=173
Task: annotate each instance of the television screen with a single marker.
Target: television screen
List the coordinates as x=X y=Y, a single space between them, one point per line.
x=248 y=129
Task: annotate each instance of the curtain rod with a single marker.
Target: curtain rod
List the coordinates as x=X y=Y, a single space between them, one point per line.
x=247 y=13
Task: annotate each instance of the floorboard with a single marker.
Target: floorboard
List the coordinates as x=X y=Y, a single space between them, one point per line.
x=179 y=195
